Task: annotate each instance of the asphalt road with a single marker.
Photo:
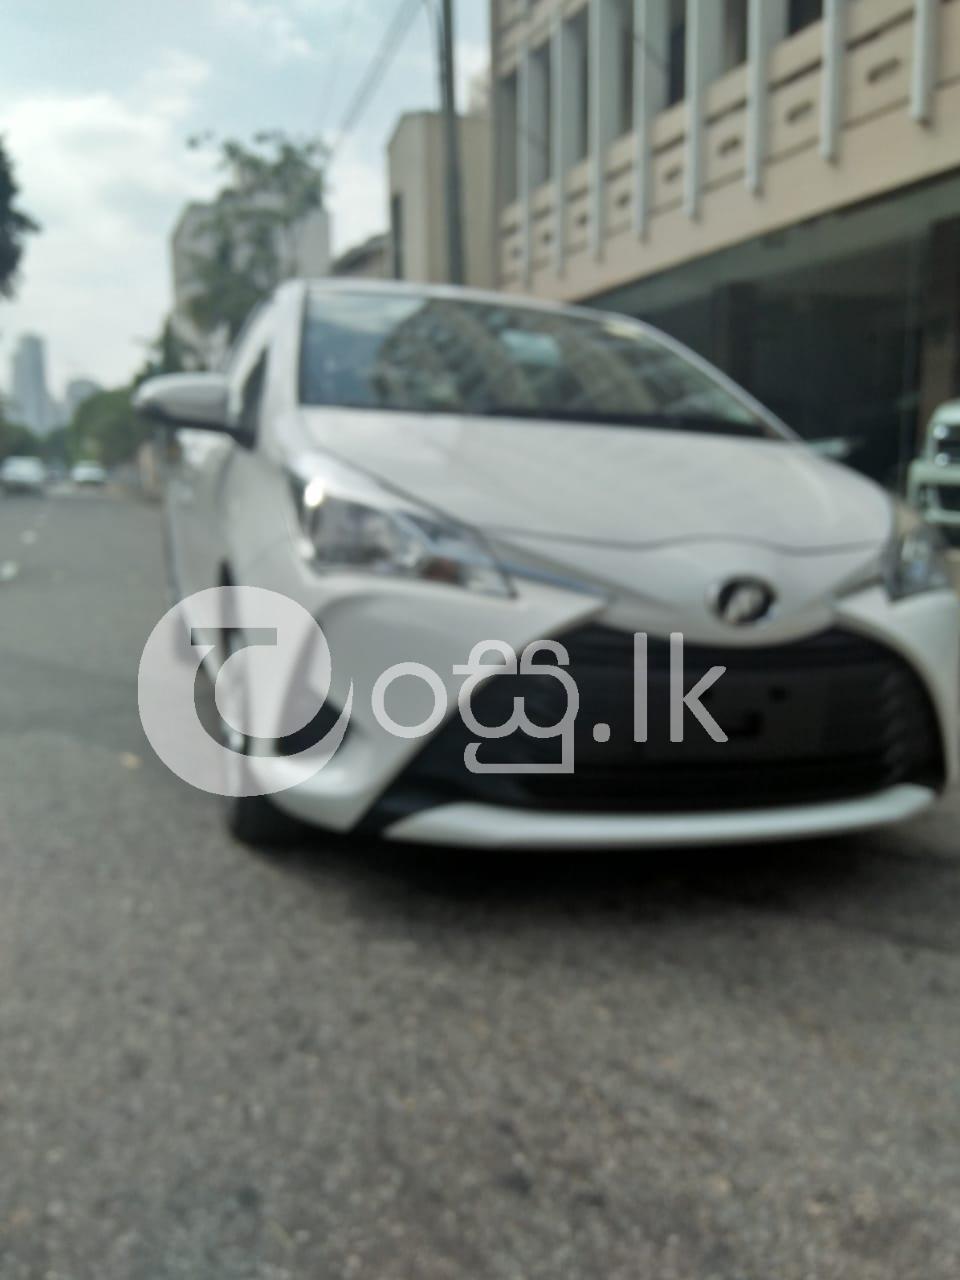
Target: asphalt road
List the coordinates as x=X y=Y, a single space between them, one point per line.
x=396 y=1066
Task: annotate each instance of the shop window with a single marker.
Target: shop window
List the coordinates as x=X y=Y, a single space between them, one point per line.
x=803 y=13
x=579 y=34
x=735 y=28
x=540 y=131
x=627 y=40
x=509 y=128
x=397 y=236
x=677 y=53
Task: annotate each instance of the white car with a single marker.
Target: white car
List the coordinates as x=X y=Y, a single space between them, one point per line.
x=23 y=475
x=429 y=470
x=88 y=475
x=933 y=484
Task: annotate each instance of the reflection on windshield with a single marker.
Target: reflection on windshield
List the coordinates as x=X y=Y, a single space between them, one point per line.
x=438 y=355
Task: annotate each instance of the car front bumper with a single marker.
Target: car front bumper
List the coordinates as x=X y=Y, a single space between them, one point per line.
x=371 y=625
x=480 y=826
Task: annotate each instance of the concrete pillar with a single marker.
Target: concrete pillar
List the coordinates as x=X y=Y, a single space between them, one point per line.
x=926 y=33
x=565 y=111
x=603 y=109
x=766 y=26
x=834 y=61
x=650 y=79
x=524 y=156
x=704 y=64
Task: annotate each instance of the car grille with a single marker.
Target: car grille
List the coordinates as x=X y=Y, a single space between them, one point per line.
x=832 y=717
x=948 y=496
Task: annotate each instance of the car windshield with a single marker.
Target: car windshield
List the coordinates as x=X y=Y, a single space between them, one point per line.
x=399 y=351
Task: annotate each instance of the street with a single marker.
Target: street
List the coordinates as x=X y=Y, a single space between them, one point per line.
x=392 y=1065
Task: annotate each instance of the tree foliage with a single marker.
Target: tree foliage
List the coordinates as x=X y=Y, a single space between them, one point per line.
x=273 y=184
x=16 y=440
x=15 y=226
x=106 y=429
x=168 y=353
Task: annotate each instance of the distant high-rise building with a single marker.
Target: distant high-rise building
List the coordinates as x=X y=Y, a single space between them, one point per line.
x=78 y=390
x=30 y=400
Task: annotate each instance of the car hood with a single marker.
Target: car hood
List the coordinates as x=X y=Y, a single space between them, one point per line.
x=617 y=486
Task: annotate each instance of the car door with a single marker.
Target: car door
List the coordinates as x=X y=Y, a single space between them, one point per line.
x=198 y=538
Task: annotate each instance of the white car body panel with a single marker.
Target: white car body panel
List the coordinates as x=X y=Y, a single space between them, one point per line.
x=605 y=484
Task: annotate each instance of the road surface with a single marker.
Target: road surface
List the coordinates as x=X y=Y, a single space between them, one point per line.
x=361 y=1063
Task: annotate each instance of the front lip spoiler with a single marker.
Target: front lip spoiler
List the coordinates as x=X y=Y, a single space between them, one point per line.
x=482 y=826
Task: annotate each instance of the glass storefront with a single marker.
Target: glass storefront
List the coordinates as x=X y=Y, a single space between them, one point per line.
x=844 y=326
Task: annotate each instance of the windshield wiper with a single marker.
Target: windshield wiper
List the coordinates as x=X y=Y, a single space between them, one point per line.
x=710 y=423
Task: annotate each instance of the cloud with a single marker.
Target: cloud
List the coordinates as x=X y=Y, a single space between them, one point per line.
x=171 y=87
x=473 y=62
x=106 y=179
x=268 y=23
x=357 y=197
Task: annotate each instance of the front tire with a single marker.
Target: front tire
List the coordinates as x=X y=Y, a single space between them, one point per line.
x=254 y=821
x=257 y=823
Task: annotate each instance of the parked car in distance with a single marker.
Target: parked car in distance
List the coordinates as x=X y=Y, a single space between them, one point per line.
x=430 y=471
x=88 y=474
x=933 y=483
x=23 y=475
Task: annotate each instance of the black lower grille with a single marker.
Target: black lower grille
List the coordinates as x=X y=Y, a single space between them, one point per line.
x=832 y=717
x=949 y=497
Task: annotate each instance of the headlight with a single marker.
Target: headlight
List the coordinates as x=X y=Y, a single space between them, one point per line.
x=916 y=560
x=350 y=523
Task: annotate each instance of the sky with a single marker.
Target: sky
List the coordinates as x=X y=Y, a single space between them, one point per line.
x=97 y=101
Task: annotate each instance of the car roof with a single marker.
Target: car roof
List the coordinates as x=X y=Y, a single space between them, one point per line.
x=402 y=288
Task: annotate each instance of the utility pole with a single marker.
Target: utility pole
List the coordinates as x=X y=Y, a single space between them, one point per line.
x=448 y=98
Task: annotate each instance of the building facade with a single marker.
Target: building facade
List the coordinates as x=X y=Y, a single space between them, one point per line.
x=367 y=261
x=776 y=182
x=418 y=199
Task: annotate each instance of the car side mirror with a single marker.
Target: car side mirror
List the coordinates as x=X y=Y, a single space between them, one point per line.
x=194 y=400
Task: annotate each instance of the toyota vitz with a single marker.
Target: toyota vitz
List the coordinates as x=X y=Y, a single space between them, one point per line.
x=436 y=473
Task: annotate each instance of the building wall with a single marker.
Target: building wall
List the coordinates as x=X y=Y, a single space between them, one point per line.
x=368 y=261
x=419 y=204
x=604 y=178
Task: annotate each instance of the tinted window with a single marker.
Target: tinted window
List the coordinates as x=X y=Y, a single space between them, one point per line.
x=399 y=351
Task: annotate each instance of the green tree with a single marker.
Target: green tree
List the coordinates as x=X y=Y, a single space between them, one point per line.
x=16 y=440
x=15 y=226
x=168 y=353
x=106 y=429
x=273 y=185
